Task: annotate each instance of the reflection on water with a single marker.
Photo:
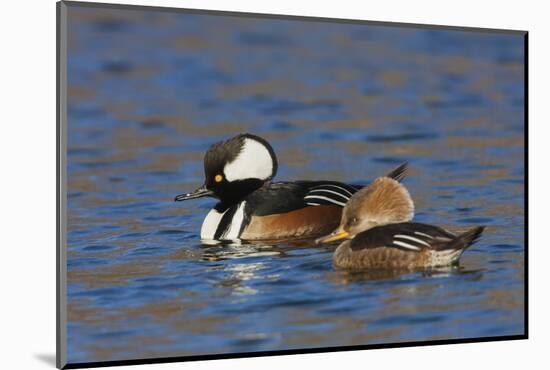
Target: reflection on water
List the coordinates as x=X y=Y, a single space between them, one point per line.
x=150 y=91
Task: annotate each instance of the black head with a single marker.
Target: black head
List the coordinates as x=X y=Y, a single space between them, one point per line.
x=236 y=167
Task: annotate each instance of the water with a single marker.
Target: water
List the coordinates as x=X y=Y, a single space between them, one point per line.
x=150 y=91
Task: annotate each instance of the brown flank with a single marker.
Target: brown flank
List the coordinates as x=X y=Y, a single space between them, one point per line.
x=304 y=222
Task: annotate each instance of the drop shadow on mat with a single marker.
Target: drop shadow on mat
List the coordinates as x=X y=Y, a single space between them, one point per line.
x=47 y=358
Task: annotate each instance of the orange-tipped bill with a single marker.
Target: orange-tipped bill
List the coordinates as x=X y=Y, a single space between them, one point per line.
x=337 y=234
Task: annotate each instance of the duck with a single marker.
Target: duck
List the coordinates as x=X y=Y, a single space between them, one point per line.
x=378 y=234
x=239 y=173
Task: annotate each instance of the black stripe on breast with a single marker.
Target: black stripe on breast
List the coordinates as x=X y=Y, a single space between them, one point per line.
x=225 y=222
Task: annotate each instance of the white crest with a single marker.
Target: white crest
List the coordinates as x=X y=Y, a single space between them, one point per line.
x=253 y=162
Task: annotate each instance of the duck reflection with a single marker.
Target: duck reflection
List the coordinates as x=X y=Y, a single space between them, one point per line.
x=343 y=277
x=219 y=251
x=238 y=276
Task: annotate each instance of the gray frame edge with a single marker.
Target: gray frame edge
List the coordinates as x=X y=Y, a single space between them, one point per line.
x=242 y=14
x=61 y=185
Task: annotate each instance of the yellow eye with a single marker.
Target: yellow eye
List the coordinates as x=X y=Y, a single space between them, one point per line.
x=218 y=178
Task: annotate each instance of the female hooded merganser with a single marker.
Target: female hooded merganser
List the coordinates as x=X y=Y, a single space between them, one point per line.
x=238 y=172
x=376 y=219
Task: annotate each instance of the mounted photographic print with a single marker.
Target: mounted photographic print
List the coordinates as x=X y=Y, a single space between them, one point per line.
x=234 y=184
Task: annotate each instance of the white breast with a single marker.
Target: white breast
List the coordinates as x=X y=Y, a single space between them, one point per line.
x=210 y=224
x=232 y=232
x=213 y=219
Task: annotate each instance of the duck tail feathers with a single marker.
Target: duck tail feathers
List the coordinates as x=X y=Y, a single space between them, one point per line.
x=466 y=239
x=399 y=173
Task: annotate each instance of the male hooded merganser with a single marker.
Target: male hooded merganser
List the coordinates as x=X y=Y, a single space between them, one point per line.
x=376 y=219
x=238 y=172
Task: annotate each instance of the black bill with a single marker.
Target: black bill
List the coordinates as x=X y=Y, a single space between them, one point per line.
x=200 y=192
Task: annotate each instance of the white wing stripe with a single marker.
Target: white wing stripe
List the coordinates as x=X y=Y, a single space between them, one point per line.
x=419 y=241
x=334 y=186
x=325 y=198
x=422 y=234
x=312 y=204
x=405 y=245
x=329 y=191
